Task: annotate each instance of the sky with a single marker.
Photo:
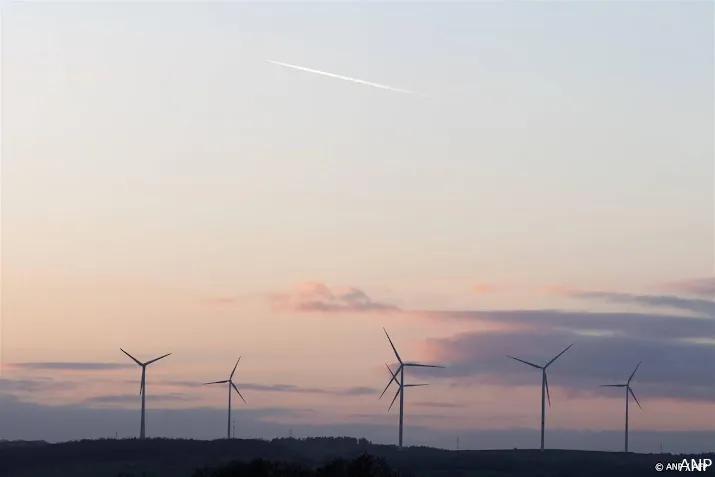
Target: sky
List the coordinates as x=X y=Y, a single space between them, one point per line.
x=165 y=188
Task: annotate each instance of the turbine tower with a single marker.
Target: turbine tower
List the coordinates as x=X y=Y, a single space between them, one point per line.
x=627 y=386
x=401 y=382
x=544 y=387
x=229 y=381
x=142 y=388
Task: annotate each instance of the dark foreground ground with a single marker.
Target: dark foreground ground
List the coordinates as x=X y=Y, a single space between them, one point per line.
x=312 y=457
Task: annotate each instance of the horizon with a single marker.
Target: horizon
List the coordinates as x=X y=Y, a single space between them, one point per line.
x=279 y=181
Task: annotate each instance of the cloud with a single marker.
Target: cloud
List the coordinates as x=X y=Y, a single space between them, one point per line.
x=440 y=405
x=317 y=297
x=413 y=416
x=32 y=385
x=69 y=366
x=248 y=386
x=290 y=388
x=174 y=383
x=358 y=391
x=677 y=351
x=696 y=286
x=134 y=398
x=576 y=323
x=285 y=388
x=696 y=305
x=559 y=289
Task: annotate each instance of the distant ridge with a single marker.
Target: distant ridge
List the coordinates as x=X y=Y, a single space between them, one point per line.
x=4 y=443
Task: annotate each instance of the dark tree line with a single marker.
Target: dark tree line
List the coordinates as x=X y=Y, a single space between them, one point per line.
x=310 y=457
x=363 y=466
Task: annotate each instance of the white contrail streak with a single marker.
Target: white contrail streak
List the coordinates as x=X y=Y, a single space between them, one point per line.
x=346 y=78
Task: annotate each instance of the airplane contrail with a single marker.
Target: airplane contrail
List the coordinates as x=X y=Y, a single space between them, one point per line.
x=346 y=78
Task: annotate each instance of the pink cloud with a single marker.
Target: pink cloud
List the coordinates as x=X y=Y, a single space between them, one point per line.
x=696 y=286
x=79 y=367
x=483 y=288
x=314 y=297
x=560 y=289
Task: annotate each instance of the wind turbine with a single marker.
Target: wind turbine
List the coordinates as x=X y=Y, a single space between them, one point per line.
x=628 y=390
x=544 y=387
x=142 y=387
x=401 y=382
x=230 y=385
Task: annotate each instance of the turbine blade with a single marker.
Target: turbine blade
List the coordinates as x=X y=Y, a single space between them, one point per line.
x=157 y=359
x=394 y=378
x=525 y=362
x=634 y=397
x=234 y=368
x=415 y=385
x=546 y=381
x=416 y=365
x=634 y=372
x=133 y=358
x=141 y=387
x=558 y=355
x=393 y=346
x=393 y=399
x=394 y=375
x=217 y=382
x=386 y=387
x=239 y=392
x=612 y=385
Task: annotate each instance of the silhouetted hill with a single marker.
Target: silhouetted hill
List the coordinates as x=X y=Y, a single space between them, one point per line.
x=5 y=443
x=304 y=457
